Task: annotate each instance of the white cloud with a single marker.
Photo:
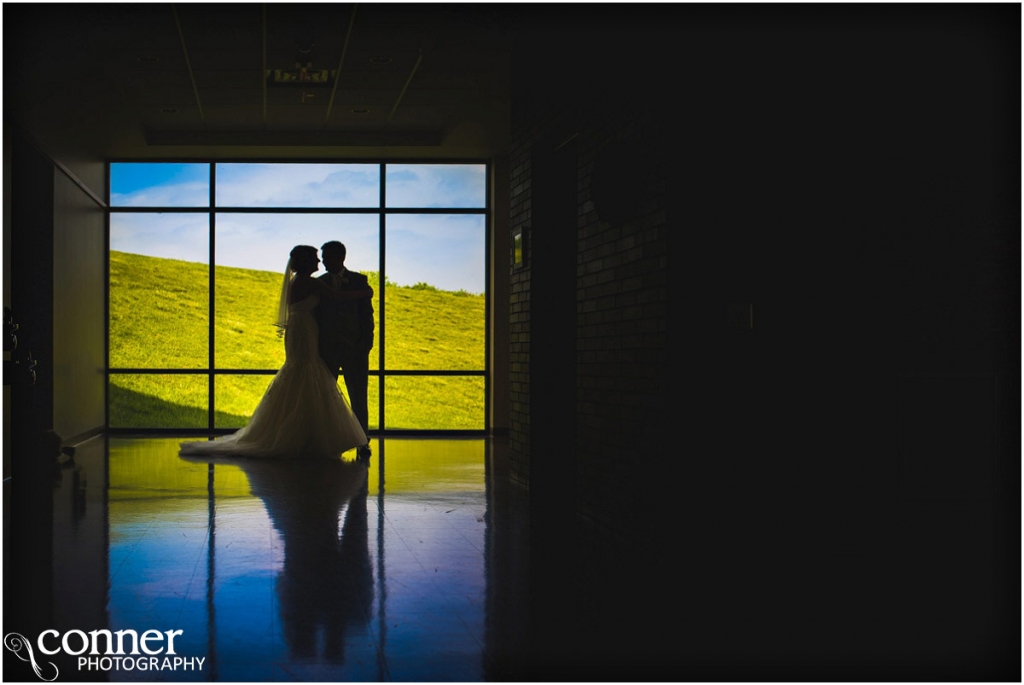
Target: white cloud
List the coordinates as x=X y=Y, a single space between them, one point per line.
x=263 y=241
x=446 y=251
x=175 y=194
x=436 y=185
x=298 y=185
x=170 y=236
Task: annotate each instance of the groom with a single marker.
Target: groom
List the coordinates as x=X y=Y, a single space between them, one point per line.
x=346 y=332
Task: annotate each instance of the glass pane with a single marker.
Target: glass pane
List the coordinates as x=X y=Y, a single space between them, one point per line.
x=435 y=402
x=159 y=291
x=235 y=398
x=435 y=292
x=372 y=400
x=159 y=184
x=158 y=400
x=252 y=252
x=298 y=185
x=437 y=185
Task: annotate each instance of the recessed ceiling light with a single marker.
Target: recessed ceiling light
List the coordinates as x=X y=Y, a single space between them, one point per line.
x=360 y=111
x=380 y=61
x=169 y=110
x=148 y=59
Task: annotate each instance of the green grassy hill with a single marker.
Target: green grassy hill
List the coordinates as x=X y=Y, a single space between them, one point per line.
x=159 y=319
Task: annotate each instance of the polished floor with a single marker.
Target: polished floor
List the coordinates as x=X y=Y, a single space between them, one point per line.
x=280 y=569
x=426 y=564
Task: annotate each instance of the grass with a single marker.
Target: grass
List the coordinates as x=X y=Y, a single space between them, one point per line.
x=159 y=319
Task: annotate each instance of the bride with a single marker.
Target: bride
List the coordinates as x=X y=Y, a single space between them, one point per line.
x=302 y=413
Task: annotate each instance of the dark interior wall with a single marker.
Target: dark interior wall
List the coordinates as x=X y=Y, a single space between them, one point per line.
x=79 y=276
x=7 y=284
x=848 y=446
x=500 y=260
x=28 y=584
x=864 y=204
x=31 y=203
x=58 y=291
x=748 y=497
x=588 y=326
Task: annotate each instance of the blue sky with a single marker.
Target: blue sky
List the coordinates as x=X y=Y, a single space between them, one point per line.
x=445 y=250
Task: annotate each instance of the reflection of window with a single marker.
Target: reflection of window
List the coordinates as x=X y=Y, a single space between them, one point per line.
x=517 y=248
x=169 y=244
x=214 y=585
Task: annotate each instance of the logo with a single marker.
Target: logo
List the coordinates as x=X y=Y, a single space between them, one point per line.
x=17 y=643
x=101 y=650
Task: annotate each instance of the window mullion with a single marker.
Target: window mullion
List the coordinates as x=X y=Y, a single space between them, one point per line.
x=213 y=284
x=381 y=259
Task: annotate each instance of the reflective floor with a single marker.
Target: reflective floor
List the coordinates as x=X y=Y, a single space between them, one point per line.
x=281 y=569
x=426 y=565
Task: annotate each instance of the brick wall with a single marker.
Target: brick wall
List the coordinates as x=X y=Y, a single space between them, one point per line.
x=622 y=267
x=519 y=315
x=870 y=247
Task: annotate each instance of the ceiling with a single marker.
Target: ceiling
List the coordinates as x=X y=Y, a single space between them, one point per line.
x=159 y=80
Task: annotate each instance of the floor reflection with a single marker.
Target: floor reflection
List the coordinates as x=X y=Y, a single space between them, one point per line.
x=310 y=571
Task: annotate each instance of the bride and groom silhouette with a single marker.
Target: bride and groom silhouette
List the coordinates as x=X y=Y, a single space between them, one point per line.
x=328 y=328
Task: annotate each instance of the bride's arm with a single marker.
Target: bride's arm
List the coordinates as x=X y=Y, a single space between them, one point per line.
x=342 y=296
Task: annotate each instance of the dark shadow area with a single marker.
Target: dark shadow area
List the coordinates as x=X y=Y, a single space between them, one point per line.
x=832 y=492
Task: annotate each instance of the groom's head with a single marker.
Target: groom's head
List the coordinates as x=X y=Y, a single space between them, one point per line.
x=333 y=255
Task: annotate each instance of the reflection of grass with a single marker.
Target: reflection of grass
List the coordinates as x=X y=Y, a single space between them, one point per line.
x=147 y=477
x=159 y=319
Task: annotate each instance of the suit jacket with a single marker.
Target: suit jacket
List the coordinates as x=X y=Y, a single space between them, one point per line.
x=345 y=324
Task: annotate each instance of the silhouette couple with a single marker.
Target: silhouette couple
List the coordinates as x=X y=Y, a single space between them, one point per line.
x=328 y=330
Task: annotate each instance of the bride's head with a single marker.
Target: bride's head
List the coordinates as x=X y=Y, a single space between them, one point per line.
x=304 y=259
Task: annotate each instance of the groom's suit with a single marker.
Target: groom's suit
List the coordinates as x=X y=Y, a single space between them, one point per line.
x=346 y=338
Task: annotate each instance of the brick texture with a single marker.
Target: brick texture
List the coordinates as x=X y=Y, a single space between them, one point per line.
x=621 y=307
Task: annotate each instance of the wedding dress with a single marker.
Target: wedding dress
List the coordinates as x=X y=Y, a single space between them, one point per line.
x=302 y=413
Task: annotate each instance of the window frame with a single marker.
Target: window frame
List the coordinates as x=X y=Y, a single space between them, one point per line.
x=378 y=375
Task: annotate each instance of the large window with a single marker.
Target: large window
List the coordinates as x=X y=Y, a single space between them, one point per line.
x=197 y=255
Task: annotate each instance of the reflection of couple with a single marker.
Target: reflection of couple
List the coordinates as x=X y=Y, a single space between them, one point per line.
x=328 y=324
x=327 y=580
x=325 y=587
